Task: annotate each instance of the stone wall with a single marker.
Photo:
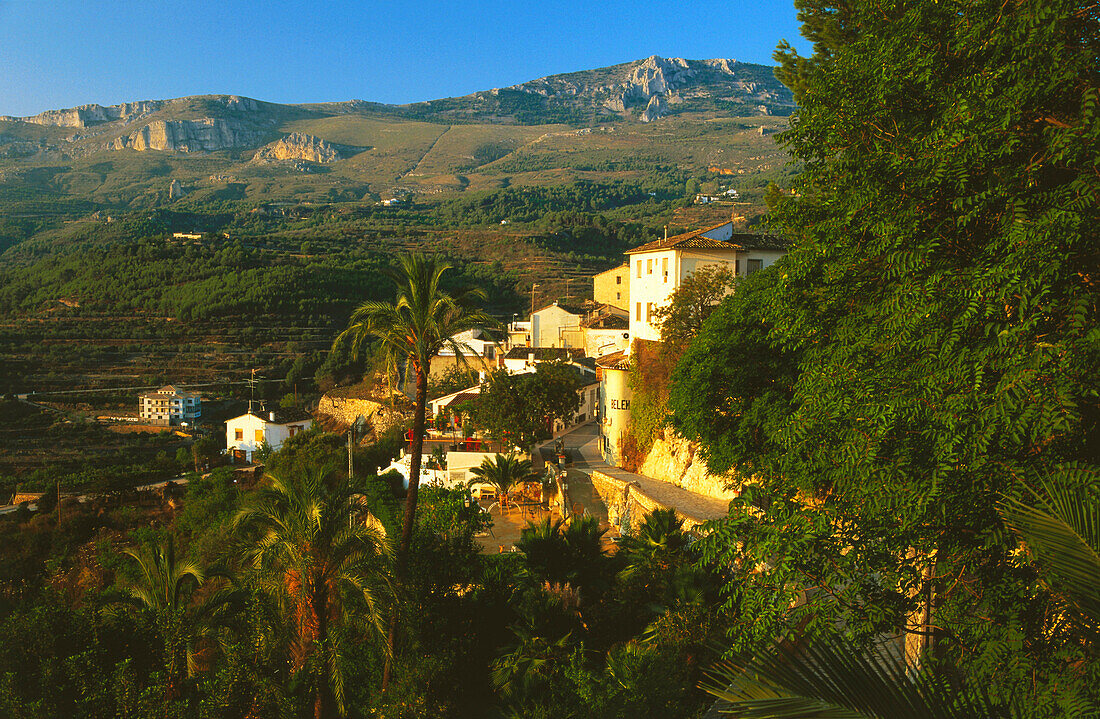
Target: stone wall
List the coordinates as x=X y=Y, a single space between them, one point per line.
x=677 y=461
x=628 y=505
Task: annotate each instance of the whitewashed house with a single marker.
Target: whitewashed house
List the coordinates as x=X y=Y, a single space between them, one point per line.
x=658 y=268
x=247 y=433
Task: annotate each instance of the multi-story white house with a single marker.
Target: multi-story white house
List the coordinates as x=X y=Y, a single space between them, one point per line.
x=247 y=433
x=660 y=267
x=170 y=405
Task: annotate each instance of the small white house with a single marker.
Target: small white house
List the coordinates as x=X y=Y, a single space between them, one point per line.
x=247 y=433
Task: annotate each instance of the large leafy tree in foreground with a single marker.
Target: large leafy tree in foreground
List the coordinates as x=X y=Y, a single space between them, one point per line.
x=423 y=319
x=930 y=343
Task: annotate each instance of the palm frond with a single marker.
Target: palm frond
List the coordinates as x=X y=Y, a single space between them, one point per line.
x=1061 y=528
x=830 y=678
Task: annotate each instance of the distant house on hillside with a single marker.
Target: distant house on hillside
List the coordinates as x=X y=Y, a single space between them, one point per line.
x=247 y=433
x=169 y=406
x=658 y=268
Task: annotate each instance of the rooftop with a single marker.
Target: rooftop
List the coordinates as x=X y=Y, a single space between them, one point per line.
x=545 y=354
x=282 y=416
x=615 y=360
x=606 y=322
x=697 y=239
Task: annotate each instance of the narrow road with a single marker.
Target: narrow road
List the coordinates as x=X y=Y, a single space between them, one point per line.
x=584 y=443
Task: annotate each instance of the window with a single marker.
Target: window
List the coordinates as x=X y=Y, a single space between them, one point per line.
x=648 y=311
x=238 y=434
x=638 y=311
x=755 y=265
x=295 y=429
x=649 y=266
x=260 y=435
x=618 y=295
x=737 y=267
x=618 y=279
x=664 y=267
x=639 y=268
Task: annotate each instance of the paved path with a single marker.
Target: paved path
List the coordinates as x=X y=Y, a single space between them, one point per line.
x=585 y=442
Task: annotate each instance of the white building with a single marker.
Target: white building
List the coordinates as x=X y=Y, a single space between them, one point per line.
x=247 y=433
x=478 y=352
x=170 y=405
x=661 y=266
x=615 y=397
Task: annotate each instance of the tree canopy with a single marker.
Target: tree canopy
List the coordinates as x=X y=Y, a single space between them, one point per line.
x=929 y=344
x=522 y=408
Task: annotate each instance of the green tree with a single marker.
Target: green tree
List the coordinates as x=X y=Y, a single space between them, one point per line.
x=692 y=302
x=930 y=341
x=422 y=320
x=165 y=588
x=521 y=408
x=313 y=547
x=503 y=472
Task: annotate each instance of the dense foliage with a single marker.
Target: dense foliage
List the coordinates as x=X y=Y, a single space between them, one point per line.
x=521 y=409
x=928 y=346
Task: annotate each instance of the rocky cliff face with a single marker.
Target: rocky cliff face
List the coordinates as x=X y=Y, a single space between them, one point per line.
x=90 y=115
x=205 y=135
x=298 y=146
x=650 y=86
x=675 y=460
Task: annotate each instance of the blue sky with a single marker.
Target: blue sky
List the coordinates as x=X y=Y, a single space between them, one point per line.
x=61 y=53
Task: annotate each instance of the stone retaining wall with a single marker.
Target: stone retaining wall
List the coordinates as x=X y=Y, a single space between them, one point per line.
x=627 y=504
x=675 y=460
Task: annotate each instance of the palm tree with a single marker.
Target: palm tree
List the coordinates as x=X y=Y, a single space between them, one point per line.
x=503 y=472
x=166 y=588
x=412 y=330
x=659 y=541
x=322 y=556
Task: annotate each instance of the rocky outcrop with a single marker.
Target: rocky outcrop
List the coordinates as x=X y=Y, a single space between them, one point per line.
x=298 y=146
x=344 y=411
x=205 y=135
x=90 y=115
x=654 y=110
x=675 y=460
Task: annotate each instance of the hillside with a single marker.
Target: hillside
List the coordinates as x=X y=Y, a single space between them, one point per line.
x=627 y=121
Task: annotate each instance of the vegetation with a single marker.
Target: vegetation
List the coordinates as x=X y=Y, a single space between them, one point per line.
x=503 y=473
x=412 y=330
x=521 y=409
x=926 y=351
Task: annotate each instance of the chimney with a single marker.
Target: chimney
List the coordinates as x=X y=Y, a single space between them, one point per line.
x=666 y=232
x=530 y=356
x=271 y=415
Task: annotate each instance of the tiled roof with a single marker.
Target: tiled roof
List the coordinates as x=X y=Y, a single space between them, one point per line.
x=606 y=322
x=696 y=239
x=615 y=360
x=286 y=416
x=579 y=307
